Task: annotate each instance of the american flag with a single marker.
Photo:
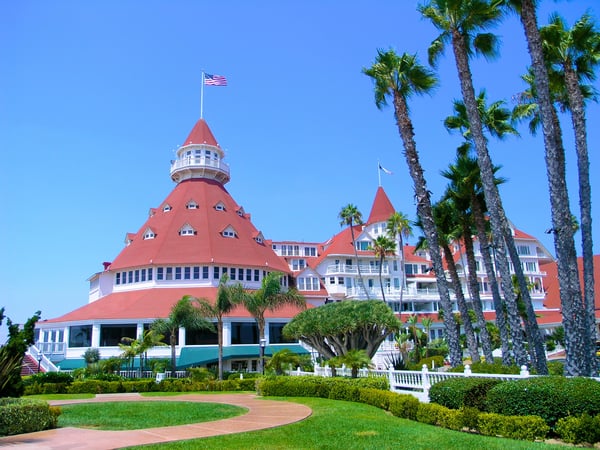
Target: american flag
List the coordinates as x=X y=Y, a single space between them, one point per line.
x=214 y=80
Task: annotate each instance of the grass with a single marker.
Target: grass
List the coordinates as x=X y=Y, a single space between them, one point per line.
x=337 y=424
x=137 y=415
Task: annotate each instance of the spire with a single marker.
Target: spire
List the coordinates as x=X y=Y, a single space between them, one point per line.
x=382 y=208
x=200 y=156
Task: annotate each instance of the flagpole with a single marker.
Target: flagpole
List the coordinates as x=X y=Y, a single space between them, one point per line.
x=202 y=96
x=379 y=172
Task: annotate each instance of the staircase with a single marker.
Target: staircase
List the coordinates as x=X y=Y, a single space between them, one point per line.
x=29 y=366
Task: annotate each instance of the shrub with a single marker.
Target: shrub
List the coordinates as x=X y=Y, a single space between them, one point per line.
x=455 y=393
x=19 y=416
x=201 y=374
x=404 y=406
x=48 y=377
x=527 y=428
x=470 y=417
x=310 y=386
x=577 y=430
x=428 y=413
x=495 y=368
x=556 y=368
x=550 y=397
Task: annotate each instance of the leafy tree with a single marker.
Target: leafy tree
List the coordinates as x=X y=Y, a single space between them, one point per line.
x=574 y=320
x=140 y=346
x=91 y=356
x=185 y=313
x=283 y=360
x=350 y=216
x=383 y=246
x=12 y=353
x=400 y=77
x=227 y=297
x=336 y=328
x=462 y=24
x=269 y=297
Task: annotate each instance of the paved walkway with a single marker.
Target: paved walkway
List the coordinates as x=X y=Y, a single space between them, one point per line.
x=261 y=414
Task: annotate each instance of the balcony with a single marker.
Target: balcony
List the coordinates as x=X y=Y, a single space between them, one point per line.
x=199 y=167
x=352 y=269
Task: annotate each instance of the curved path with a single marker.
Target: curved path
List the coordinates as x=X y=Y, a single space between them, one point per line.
x=261 y=414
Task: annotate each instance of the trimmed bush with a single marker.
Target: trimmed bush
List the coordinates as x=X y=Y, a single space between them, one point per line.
x=311 y=386
x=529 y=428
x=404 y=406
x=549 y=397
x=495 y=368
x=19 y=416
x=578 y=430
x=458 y=392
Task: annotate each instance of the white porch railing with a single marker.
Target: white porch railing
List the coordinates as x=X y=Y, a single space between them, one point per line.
x=413 y=382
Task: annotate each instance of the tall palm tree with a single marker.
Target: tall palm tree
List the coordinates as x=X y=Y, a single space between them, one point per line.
x=400 y=77
x=574 y=54
x=184 y=314
x=461 y=23
x=574 y=320
x=269 y=297
x=140 y=346
x=383 y=246
x=465 y=172
x=228 y=295
x=350 y=216
x=399 y=227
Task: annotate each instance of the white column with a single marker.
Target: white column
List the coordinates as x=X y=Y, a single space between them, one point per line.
x=96 y=335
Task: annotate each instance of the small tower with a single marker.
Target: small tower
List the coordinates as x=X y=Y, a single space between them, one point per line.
x=200 y=156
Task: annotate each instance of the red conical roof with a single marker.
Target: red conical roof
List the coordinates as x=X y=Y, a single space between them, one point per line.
x=382 y=208
x=213 y=211
x=200 y=134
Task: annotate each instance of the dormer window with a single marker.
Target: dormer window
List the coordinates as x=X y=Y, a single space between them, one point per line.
x=240 y=212
x=187 y=230
x=151 y=212
x=149 y=234
x=259 y=237
x=191 y=205
x=229 y=232
x=167 y=208
x=220 y=206
x=129 y=238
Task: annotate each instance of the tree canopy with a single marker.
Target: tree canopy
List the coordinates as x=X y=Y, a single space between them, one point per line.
x=336 y=328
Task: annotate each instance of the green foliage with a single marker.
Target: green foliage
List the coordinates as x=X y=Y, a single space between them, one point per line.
x=48 y=377
x=201 y=374
x=556 y=368
x=577 y=430
x=91 y=356
x=19 y=416
x=311 y=386
x=462 y=391
x=283 y=360
x=529 y=428
x=404 y=406
x=11 y=354
x=438 y=361
x=483 y=367
x=551 y=397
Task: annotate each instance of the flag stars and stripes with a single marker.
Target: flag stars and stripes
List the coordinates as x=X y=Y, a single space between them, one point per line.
x=214 y=80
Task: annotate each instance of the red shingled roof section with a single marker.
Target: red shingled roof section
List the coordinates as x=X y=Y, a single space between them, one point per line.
x=382 y=207
x=200 y=134
x=154 y=303
x=207 y=246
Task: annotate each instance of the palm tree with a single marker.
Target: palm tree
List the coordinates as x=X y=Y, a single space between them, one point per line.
x=227 y=297
x=350 y=216
x=183 y=314
x=356 y=359
x=140 y=346
x=574 y=319
x=383 y=246
x=573 y=55
x=269 y=297
x=399 y=226
x=400 y=77
x=464 y=178
x=460 y=23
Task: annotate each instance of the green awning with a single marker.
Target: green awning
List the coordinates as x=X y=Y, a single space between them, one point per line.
x=71 y=364
x=202 y=355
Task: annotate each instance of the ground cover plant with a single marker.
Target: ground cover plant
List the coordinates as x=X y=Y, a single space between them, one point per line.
x=138 y=415
x=336 y=424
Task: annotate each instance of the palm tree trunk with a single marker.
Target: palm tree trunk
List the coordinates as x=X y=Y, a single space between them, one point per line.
x=173 y=341
x=574 y=320
x=220 y=342
x=484 y=247
x=425 y=213
x=577 y=108
x=490 y=191
x=462 y=305
x=402 y=267
x=486 y=345
x=381 y=279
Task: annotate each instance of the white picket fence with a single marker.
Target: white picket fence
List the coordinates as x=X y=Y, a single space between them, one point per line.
x=413 y=382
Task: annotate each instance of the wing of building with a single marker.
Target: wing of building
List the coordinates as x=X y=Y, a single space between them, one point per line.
x=199 y=233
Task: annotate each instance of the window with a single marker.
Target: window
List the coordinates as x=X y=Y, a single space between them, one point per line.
x=187 y=273
x=248 y=274
x=118 y=278
x=167 y=208
x=220 y=206
x=186 y=230
x=80 y=336
x=256 y=275
x=244 y=333
x=160 y=273
x=169 y=273
x=192 y=205
x=205 y=272
x=178 y=273
x=150 y=274
x=232 y=273
x=137 y=276
x=363 y=245
x=130 y=276
x=143 y=275
x=197 y=273
x=298 y=264
x=201 y=337
x=240 y=274
x=276 y=334
x=111 y=335
x=523 y=250
x=229 y=233
x=215 y=273
x=149 y=234
x=531 y=266
x=308 y=284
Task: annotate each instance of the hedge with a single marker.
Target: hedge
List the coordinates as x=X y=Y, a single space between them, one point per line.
x=456 y=393
x=18 y=415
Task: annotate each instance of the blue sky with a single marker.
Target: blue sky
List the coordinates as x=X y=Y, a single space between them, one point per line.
x=96 y=96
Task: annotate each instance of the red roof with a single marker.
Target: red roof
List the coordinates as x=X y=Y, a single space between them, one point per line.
x=152 y=304
x=207 y=245
x=382 y=207
x=201 y=134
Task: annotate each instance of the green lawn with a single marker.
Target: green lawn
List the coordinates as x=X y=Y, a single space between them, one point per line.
x=136 y=415
x=345 y=425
